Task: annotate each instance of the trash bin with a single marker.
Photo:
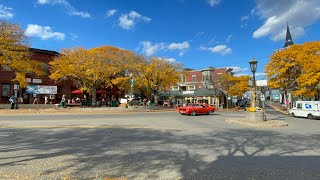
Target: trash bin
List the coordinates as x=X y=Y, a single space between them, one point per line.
x=62 y=104
x=113 y=103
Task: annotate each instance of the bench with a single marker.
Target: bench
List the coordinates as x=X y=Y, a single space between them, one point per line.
x=73 y=105
x=86 y=104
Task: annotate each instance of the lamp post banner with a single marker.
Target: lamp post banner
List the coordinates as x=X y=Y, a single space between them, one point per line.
x=34 y=89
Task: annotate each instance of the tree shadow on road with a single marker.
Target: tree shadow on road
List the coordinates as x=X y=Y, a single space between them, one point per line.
x=154 y=154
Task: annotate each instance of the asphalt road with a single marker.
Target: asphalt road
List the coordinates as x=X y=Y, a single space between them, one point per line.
x=157 y=145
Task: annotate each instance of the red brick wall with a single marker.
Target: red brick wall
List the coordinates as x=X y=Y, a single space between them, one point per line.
x=7 y=76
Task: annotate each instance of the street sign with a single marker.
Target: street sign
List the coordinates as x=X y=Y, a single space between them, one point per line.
x=229 y=97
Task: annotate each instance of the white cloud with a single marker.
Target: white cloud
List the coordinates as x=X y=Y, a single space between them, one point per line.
x=72 y=11
x=43 y=32
x=299 y=14
x=260 y=74
x=243 y=18
x=229 y=38
x=238 y=70
x=73 y=36
x=220 y=49
x=6 y=12
x=178 y=46
x=149 y=48
x=43 y=1
x=172 y=60
x=128 y=21
x=111 y=12
x=213 y=2
x=79 y=13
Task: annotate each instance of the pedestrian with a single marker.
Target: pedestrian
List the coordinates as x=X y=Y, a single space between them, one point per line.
x=13 y=102
x=35 y=100
x=63 y=101
x=45 y=99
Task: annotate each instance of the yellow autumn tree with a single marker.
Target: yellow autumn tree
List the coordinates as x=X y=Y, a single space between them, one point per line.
x=14 y=53
x=155 y=74
x=296 y=69
x=239 y=85
x=91 y=69
x=283 y=70
x=308 y=56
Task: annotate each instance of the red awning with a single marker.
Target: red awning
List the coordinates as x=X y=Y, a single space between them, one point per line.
x=78 y=91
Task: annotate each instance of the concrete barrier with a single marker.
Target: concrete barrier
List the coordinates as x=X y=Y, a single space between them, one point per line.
x=255 y=116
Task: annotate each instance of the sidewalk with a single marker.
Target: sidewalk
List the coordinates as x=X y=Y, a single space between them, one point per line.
x=277 y=106
x=38 y=109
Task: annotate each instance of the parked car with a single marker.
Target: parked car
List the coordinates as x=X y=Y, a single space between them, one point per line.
x=196 y=108
x=243 y=102
x=307 y=109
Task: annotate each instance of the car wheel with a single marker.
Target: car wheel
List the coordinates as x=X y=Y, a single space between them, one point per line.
x=193 y=113
x=210 y=112
x=310 y=116
x=292 y=115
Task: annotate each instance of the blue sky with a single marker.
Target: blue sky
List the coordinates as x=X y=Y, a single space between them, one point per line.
x=196 y=33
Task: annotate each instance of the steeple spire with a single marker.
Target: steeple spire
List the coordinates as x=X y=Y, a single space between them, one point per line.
x=288 y=38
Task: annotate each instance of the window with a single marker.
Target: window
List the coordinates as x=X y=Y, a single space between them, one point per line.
x=182 y=79
x=206 y=76
x=299 y=106
x=6 y=90
x=5 y=68
x=175 y=88
x=194 y=78
x=191 y=87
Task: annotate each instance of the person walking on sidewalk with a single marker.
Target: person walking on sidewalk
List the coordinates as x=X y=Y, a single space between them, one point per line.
x=13 y=102
x=63 y=101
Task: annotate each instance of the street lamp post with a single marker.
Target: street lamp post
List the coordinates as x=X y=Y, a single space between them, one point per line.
x=131 y=87
x=252 y=115
x=253 y=66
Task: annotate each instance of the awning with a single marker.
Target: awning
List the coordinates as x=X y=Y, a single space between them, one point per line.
x=78 y=91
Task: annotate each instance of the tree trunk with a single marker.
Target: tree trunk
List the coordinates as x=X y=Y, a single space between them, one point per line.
x=94 y=97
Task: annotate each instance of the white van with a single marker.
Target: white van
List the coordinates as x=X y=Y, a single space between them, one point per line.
x=308 y=109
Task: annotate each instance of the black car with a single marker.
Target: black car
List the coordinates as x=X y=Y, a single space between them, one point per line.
x=243 y=102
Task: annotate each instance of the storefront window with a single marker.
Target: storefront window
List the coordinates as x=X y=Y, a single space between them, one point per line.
x=5 y=90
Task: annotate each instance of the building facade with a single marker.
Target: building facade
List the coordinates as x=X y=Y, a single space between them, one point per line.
x=51 y=90
x=202 y=86
x=8 y=87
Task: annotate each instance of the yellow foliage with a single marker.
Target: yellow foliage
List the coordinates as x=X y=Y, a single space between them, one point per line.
x=94 y=68
x=239 y=85
x=14 y=52
x=156 y=74
x=296 y=69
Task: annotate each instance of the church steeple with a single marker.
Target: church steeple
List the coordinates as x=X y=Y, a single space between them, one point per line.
x=288 y=38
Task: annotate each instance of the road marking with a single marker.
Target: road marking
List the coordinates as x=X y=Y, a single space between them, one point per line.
x=72 y=127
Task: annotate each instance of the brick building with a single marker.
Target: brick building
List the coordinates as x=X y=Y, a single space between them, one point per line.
x=201 y=86
x=8 y=87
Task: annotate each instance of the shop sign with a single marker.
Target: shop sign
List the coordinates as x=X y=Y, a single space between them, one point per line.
x=37 y=80
x=187 y=92
x=34 y=89
x=28 y=80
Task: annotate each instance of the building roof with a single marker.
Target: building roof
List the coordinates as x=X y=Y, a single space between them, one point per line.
x=289 y=41
x=43 y=51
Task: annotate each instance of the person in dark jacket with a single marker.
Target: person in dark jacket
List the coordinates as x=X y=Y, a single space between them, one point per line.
x=13 y=102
